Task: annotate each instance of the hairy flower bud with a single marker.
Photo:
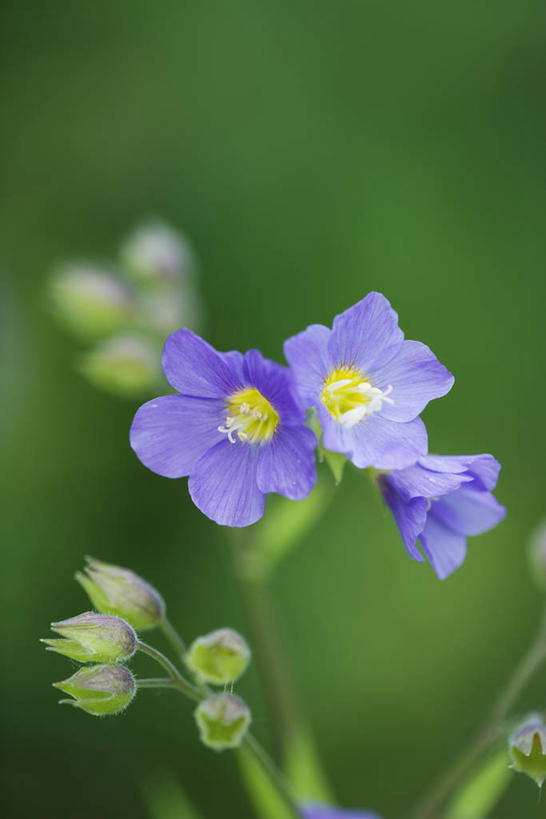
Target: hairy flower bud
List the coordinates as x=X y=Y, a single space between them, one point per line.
x=219 y=657
x=155 y=253
x=89 y=301
x=528 y=749
x=125 y=365
x=90 y=637
x=119 y=591
x=100 y=689
x=537 y=553
x=223 y=721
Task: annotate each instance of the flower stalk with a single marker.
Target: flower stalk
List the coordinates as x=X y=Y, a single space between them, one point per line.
x=429 y=806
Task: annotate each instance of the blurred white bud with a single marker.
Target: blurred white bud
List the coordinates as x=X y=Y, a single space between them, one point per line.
x=126 y=365
x=90 y=301
x=156 y=252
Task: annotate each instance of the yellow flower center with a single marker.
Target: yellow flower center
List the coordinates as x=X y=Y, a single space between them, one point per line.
x=250 y=417
x=349 y=396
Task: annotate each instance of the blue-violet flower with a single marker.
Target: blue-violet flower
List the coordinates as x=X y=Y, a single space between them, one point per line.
x=441 y=500
x=327 y=812
x=368 y=384
x=236 y=428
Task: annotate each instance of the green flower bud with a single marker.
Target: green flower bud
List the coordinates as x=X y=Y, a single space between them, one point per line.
x=119 y=591
x=156 y=253
x=125 y=365
x=98 y=638
x=219 y=657
x=223 y=721
x=89 y=301
x=528 y=749
x=100 y=689
x=537 y=554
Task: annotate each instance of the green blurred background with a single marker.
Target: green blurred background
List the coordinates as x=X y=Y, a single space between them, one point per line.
x=312 y=151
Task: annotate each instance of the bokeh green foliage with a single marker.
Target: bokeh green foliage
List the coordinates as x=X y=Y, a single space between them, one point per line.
x=312 y=151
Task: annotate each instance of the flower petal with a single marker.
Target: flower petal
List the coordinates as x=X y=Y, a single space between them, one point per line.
x=287 y=464
x=444 y=548
x=410 y=516
x=417 y=482
x=468 y=511
x=361 y=332
x=223 y=484
x=484 y=469
x=171 y=433
x=194 y=368
x=376 y=441
x=307 y=354
x=327 y=812
x=275 y=383
x=416 y=377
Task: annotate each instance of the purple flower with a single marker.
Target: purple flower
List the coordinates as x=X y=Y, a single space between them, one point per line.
x=441 y=500
x=368 y=385
x=327 y=812
x=237 y=429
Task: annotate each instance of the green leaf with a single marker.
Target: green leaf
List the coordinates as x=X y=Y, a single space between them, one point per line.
x=481 y=791
x=165 y=798
x=285 y=524
x=303 y=768
x=263 y=795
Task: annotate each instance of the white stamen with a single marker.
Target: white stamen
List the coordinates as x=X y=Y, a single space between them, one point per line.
x=230 y=429
x=353 y=416
x=337 y=385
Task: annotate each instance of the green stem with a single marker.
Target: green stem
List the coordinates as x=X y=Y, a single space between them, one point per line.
x=282 y=787
x=177 y=679
x=432 y=801
x=173 y=636
x=250 y=743
x=274 y=671
x=155 y=682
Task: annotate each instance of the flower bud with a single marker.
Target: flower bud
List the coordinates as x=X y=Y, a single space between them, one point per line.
x=223 y=721
x=537 y=553
x=219 y=657
x=89 y=301
x=119 y=591
x=155 y=253
x=90 y=637
x=100 y=689
x=528 y=749
x=125 y=365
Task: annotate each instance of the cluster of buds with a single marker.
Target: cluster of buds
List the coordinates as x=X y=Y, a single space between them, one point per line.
x=126 y=310
x=126 y=603
x=107 y=639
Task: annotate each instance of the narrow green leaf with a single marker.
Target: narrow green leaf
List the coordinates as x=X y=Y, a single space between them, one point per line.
x=304 y=770
x=482 y=789
x=263 y=795
x=165 y=798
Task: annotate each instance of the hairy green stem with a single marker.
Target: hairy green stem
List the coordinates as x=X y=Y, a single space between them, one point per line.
x=250 y=743
x=155 y=682
x=176 y=677
x=431 y=803
x=173 y=636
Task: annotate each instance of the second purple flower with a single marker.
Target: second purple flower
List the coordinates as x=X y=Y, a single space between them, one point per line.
x=236 y=429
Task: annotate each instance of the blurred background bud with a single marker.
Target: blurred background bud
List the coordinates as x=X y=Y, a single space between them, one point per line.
x=528 y=749
x=166 y=309
x=219 y=657
x=127 y=365
x=100 y=689
x=157 y=253
x=537 y=554
x=115 y=590
x=89 y=301
x=91 y=637
x=223 y=721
